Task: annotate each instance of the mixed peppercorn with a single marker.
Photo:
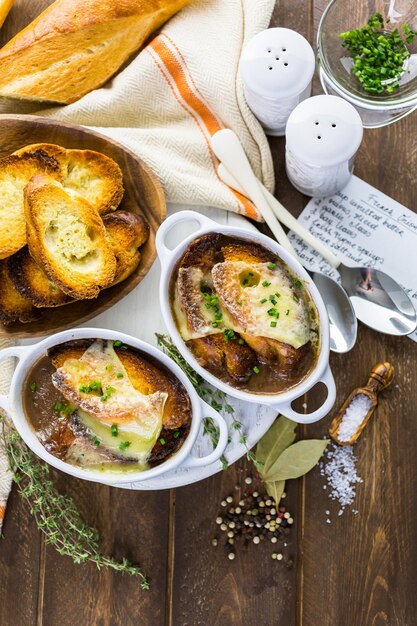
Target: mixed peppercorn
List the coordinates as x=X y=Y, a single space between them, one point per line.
x=254 y=518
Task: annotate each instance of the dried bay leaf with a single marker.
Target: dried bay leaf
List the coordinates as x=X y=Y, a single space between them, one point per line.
x=275 y=490
x=296 y=460
x=274 y=442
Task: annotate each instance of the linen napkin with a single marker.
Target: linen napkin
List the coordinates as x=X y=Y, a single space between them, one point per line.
x=165 y=105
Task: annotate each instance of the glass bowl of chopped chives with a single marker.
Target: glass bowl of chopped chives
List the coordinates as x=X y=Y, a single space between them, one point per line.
x=367 y=52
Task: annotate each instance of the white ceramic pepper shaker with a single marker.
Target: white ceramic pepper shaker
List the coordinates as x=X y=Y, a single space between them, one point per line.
x=323 y=135
x=276 y=67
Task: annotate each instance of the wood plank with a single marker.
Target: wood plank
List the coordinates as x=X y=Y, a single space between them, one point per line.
x=133 y=525
x=208 y=588
x=360 y=568
x=20 y=565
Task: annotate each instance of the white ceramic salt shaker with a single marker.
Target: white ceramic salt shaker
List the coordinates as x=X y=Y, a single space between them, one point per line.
x=276 y=67
x=323 y=135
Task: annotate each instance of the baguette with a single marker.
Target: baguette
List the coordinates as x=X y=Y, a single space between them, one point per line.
x=75 y=46
x=15 y=173
x=67 y=238
x=5 y=6
x=126 y=232
x=96 y=177
x=13 y=306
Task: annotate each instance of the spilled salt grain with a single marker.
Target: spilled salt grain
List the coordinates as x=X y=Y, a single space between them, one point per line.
x=339 y=470
x=354 y=416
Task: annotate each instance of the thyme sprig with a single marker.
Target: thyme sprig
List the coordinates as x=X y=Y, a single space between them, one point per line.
x=216 y=398
x=57 y=515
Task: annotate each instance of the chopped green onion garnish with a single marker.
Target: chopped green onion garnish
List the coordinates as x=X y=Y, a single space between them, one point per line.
x=271 y=266
x=288 y=312
x=96 y=441
x=273 y=324
x=266 y=283
x=214 y=324
x=256 y=369
x=119 y=374
x=264 y=300
x=103 y=398
x=124 y=444
x=33 y=387
x=117 y=343
x=162 y=441
x=298 y=283
x=177 y=433
x=114 y=430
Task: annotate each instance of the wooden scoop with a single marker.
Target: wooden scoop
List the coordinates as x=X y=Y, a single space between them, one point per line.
x=380 y=377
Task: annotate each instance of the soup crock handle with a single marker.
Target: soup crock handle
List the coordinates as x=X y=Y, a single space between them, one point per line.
x=13 y=351
x=328 y=380
x=198 y=461
x=164 y=252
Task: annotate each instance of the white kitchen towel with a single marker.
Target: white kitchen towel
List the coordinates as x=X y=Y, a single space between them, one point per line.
x=165 y=105
x=181 y=88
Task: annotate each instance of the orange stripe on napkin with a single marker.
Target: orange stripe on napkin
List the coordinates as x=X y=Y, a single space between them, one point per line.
x=174 y=69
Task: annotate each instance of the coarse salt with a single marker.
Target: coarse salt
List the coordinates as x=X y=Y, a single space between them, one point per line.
x=339 y=469
x=354 y=416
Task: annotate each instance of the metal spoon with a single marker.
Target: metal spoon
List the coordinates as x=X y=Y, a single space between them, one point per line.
x=378 y=300
x=342 y=318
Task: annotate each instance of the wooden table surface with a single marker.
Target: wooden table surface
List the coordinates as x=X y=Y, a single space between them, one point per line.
x=358 y=570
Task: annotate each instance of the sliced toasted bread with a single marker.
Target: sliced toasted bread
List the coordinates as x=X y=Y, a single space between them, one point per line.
x=96 y=177
x=67 y=238
x=13 y=306
x=32 y=283
x=126 y=232
x=144 y=376
x=15 y=173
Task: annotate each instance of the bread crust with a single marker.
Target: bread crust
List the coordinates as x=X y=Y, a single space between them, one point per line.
x=13 y=306
x=32 y=283
x=126 y=232
x=75 y=46
x=67 y=238
x=95 y=176
x=15 y=173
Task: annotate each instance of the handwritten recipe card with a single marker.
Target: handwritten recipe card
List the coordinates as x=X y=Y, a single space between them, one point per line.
x=363 y=226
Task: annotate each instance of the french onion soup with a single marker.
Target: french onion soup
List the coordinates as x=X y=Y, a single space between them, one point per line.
x=244 y=315
x=103 y=405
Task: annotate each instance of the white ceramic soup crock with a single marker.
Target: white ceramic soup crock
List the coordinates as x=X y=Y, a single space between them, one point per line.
x=280 y=401
x=13 y=405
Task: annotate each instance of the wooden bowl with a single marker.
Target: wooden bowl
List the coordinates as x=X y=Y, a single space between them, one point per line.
x=143 y=196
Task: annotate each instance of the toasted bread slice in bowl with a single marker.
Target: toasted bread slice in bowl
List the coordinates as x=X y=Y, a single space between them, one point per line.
x=30 y=280
x=15 y=173
x=126 y=232
x=93 y=175
x=13 y=306
x=67 y=238
x=143 y=196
